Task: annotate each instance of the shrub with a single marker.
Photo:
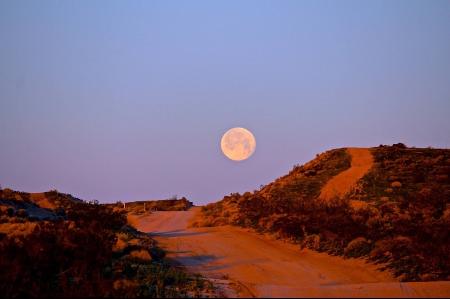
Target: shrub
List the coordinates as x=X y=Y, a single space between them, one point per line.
x=357 y=247
x=312 y=242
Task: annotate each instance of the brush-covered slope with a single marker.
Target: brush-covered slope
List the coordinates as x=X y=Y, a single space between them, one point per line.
x=148 y=206
x=397 y=214
x=54 y=245
x=279 y=198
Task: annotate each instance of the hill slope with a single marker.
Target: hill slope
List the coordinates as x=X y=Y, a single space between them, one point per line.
x=149 y=206
x=397 y=213
x=54 y=245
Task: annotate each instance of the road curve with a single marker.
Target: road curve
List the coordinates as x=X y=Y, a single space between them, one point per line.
x=243 y=263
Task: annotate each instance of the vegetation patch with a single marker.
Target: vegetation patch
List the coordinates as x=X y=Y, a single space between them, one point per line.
x=85 y=250
x=275 y=206
x=149 y=206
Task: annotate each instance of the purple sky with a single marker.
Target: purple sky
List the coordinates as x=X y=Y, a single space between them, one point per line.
x=128 y=100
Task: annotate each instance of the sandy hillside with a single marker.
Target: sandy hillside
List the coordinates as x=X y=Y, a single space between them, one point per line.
x=255 y=265
x=342 y=183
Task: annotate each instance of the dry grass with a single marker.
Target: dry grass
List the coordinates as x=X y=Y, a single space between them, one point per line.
x=17 y=229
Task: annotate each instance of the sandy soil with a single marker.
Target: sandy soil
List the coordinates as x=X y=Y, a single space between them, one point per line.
x=342 y=183
x=243 y=263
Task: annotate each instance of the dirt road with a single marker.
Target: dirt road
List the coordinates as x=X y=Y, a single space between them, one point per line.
x=246 y=264
x=342 y=183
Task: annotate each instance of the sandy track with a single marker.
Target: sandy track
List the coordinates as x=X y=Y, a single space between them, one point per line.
x=342 y=183
x=256 y=265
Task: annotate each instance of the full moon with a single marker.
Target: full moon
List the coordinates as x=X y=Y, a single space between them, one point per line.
x=238 y=144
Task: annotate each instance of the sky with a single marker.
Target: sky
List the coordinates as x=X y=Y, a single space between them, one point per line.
x=128 y=100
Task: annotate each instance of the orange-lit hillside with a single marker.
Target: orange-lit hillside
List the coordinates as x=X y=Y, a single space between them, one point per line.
x=55 y=245
x=398 y=213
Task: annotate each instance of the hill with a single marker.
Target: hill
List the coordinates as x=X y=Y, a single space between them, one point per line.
x=148 y=206
x=397 y=213
x=55 y=245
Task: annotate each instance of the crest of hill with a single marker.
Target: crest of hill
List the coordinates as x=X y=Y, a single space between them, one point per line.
x=51 y=200
x=148 y=206
x=40 y=206
x=397 y=214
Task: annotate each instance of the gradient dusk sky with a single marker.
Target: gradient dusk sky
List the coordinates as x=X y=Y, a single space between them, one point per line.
x=128 y=100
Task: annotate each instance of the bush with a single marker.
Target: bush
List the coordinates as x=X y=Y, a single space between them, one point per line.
x=311 y=242
x=55 y=260
x=357 y=247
